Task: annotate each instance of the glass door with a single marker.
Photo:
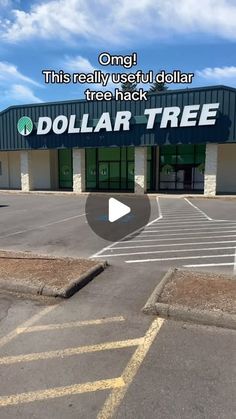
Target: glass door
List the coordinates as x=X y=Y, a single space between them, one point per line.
x=114 y=175
x=103 y=175
x=188 y=178
x=110 y=168
x=184 y=179
x=65 y=169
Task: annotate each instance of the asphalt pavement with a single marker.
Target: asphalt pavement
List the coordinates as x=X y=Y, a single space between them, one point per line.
x=183 y=235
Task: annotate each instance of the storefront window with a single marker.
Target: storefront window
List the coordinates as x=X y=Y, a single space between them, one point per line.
x=91 y=171
x=65 y=168
x=182 y=167
x=109 y=154
x=113 y=168
x=110 y=168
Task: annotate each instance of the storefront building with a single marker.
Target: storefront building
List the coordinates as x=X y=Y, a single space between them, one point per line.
x=178 y=141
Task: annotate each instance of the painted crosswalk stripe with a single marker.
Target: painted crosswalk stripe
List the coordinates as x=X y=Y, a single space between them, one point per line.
x=168 y=251
x=170 y=245
x=209 y=227
x=130 y=235
x=169 y=223
x=179 y=258
x=205 y=265
x=163 y=238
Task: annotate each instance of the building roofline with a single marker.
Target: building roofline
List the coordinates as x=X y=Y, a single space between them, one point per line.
x=169 y=91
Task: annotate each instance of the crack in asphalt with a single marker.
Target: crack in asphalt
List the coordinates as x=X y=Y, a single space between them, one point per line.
x=5 y=305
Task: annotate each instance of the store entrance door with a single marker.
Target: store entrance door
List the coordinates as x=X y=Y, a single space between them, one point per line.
x=188 y=178
x=65 y=169
x=109 y=175
x=103 y=175
x=182 y=167
x=184 y=177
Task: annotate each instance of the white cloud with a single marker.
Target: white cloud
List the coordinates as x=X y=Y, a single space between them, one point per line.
x=10 y=73
x=14 y=86
x=78 y=64
x=18 y=93
x=115 y=22
x=218 y=73
x=4 y=3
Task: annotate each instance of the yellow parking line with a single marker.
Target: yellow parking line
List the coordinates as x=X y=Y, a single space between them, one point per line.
x=52 y=393
x=7 y=360
x=12 y=335
x=56 y=326
x=116 y=396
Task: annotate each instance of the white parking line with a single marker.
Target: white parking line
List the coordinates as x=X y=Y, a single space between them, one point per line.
x=187 y=210
x=179 y=258
x=205 y=265
x=42 y=226
x=205 y=222
x=182 y=214
x=110 y=246
x=166 y=251
x=173 y=234
x=210 y=228
x=235 y=262
x=183 y=217
x=169 y=245
x=198 y=209
x=159 y=209
x=193 y=222
x=177 y=238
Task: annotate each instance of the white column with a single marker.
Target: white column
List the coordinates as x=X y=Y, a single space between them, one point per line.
x=26 y=171
x=78 y=170
x=140 y=169
x=210 y=176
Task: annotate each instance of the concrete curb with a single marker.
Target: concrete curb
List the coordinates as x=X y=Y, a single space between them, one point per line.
x=205 y=317
x=49 y=291
x=177 y=312
x=76 y=194
x=149 y=307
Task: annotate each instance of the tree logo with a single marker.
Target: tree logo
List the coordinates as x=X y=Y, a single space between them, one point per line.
x=25 y=126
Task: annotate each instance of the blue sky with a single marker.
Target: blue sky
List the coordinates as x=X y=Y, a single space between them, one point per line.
x=189 y=35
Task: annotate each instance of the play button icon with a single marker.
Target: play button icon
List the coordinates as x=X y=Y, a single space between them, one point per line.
x=115 y=216
x=117 y=210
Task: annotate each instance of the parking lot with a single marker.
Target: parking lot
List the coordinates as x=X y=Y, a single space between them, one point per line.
x=183 y=235
x=193 y=233
x=96 y=355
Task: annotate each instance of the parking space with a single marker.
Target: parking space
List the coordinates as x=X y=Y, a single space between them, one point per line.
x=66 y=362
x=46 y=224
x=44 y=360
x=183 y=235
x=194 y=233
x=50 y=224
